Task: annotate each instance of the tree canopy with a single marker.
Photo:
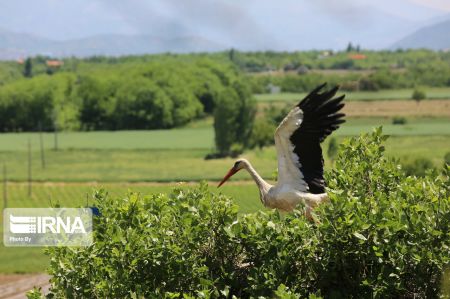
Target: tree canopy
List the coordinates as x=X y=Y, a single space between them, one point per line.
x=152 y=95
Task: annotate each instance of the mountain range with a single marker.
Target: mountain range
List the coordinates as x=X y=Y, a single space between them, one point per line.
x=434 y=36
x=19 y=45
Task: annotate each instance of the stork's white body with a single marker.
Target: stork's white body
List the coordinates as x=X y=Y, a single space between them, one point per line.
x=297 y=141
x=286 y=198
x=283 y=196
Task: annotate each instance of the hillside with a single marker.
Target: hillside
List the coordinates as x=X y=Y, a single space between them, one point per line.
x=202 y=28
x=18 y=45
x=436 y=37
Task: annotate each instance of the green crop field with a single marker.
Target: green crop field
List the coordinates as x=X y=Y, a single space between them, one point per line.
x=184 y=165
x=199 y=135
x=391 y=94
x=413 y=127
x=32 y=259
x=185 y=138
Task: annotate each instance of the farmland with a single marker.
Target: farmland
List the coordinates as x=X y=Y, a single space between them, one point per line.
x=185 y=165
x=178 y=155
x=382 y=95
x=378 y=108
x=200 y=135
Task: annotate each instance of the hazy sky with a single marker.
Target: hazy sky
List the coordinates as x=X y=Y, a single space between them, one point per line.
x=258 y=23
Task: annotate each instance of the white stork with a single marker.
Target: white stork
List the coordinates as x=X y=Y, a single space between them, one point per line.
x=300 y=160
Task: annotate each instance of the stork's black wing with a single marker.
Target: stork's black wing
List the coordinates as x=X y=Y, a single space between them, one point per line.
x=320 y=118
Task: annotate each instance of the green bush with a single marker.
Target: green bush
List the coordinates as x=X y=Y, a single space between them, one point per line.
x=418 y=166
x=447 y=159
x=332 y=149
x=262 y=134
x=382 y=235
x=264 y=127
x=418 y=95
x=275 y=114
x=399 y=120
x=368 y=84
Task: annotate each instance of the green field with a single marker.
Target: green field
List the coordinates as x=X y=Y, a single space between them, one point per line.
x=185 y=138
x=178 y=155
x=183 y=165
x=391 y=94
x=413 y=127
x=18 y=260
x=199 y=136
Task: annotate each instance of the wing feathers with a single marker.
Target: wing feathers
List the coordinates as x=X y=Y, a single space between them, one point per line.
x=321 y=117
x=331 y=106
x=298 y=138
x=314 y=99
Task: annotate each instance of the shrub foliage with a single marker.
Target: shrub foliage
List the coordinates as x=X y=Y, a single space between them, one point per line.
x=383 y=234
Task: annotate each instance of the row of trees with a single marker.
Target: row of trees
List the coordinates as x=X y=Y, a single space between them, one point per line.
x=155 y=95
x=425 y=64
x=432 y=75
x=151 y=96
x=329 y=59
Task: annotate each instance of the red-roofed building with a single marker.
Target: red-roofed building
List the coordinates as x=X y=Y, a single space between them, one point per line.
x=54 y=63
x=357 y=56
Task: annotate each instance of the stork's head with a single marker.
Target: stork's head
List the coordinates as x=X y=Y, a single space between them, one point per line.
x=238 y=165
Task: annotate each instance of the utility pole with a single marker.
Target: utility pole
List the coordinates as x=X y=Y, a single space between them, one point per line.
x=29 y=167
x=55 y=127
x=5 y=185
x=41 y=141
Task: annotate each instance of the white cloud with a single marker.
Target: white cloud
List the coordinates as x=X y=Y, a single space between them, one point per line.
x=443 y=5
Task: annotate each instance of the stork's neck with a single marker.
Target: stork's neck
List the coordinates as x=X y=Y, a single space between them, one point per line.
x=262 y=184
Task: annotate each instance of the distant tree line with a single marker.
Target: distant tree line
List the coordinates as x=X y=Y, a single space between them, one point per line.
x=354 y=69
x=151 y=95
x=351 y=58
x=410 y=67
x=437 y=75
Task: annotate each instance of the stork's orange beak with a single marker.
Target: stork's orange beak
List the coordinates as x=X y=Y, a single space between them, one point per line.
x=229 y=175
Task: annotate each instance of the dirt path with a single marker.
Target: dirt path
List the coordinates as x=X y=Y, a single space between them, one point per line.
x=387 y=108
x=15 y=286
x=398 y=108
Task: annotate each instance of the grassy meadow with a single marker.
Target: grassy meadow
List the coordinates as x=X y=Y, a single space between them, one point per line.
x=161 y=165
x=200 y=135
x=154 y=156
